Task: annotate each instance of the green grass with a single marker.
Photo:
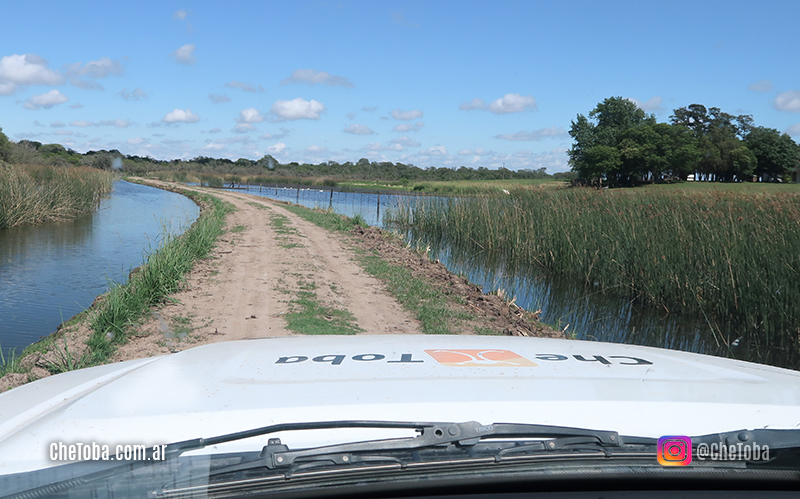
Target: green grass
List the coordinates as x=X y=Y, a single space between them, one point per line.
x=238 y=228
x=9 y=364
x=163 y=274
x=308 y=316
x=326 y=219
x=37 y=194
x=281 y=225
x=730 y=254
x=428 y=304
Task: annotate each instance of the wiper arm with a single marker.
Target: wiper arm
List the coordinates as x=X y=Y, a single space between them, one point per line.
x=438 y=435
x=430 y=435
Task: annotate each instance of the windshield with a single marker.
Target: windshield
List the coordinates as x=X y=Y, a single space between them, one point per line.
x=219 y=218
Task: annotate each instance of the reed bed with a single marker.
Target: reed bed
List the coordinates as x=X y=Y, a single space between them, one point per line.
x=730 y=257
x=32 y=195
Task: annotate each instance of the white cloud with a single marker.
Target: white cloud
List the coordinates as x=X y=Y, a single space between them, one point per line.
x=63 y=132
x=359 y=130
x=788 y=101
x=215 y=130
x=180 y=14
x=478 y=151
x=435 y=151
x=542 y=133
x=512 y=103
x=313 y=77
x=77 y=105
x=475 y=103
x=408 y=127
x=315 y=149
x=793 y=130
x=351 y=116
x=134 y=95
x=46 y=100
x=369 y=109
x=81 y=123
x=180 y=116
x=185 y=54
x=25 y=69
x=219 y=99
x=250 y=115
x=246 y=87
x=86 y=84
x=277 y=148
x=276 y=136
x=100 y=68
x=762 y=86
x=378 y=147
x=243 y=128
x=116 y=123
x=405 y=141
x=401 y=115
x=136 y=141
x=509 y=103
x=651 y=105
x=297 y=109
x=57 y=124
x=214 y=147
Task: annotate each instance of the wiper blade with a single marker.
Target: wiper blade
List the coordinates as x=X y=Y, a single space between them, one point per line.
x=430 y=435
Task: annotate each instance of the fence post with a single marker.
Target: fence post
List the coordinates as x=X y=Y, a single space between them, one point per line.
x=379 y=208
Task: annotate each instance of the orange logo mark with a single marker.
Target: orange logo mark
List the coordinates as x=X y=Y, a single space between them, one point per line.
x=479 y=358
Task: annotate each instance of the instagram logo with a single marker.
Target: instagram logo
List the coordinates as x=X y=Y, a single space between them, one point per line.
x=674 y=451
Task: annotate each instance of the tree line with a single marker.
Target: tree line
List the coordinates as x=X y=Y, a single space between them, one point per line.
x=33 y=152
x=618 y=143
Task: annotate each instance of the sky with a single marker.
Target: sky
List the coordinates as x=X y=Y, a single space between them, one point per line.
x=430 y=83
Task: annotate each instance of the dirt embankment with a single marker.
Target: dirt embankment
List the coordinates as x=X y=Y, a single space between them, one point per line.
x=266 y=259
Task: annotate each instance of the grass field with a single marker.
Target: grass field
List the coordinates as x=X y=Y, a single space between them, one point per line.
x=726 y=251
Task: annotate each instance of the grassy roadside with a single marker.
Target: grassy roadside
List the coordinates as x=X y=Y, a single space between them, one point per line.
x=432 y=307
x=111 y=317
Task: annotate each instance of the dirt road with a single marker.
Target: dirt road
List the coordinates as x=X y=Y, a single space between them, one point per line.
x=267 y=255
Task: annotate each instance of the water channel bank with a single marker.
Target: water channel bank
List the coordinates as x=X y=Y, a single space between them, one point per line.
x=50 y=272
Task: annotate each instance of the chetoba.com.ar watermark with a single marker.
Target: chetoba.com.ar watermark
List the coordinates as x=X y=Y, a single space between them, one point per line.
x=677 y=451
x=92 y=451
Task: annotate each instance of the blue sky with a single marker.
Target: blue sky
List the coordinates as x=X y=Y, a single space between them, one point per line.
x=441 y=83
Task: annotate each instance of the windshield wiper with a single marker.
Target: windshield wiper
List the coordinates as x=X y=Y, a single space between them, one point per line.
x=430 y=435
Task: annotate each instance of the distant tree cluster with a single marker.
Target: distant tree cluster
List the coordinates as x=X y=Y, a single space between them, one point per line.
x=620 y=144
x=363 y=169
x=36 y=153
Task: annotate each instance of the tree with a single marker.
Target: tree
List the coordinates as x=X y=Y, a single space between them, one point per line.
x=775 y=154
x=5 y=147
x=596 y=152
x=719 y=141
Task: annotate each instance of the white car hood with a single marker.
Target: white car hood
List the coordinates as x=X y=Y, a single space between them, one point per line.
x=226 y=387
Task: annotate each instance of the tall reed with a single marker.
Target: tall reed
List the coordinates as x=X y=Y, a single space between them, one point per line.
x=730 y=257
x=37 y=194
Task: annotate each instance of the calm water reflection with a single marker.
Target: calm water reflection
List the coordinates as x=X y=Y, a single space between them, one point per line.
x=54 y=271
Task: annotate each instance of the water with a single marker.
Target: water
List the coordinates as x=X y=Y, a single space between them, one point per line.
x=51 y=272
x=586 y=313
x=371 y=206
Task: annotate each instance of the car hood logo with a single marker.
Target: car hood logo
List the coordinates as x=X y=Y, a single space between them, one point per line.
x=479 y=358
